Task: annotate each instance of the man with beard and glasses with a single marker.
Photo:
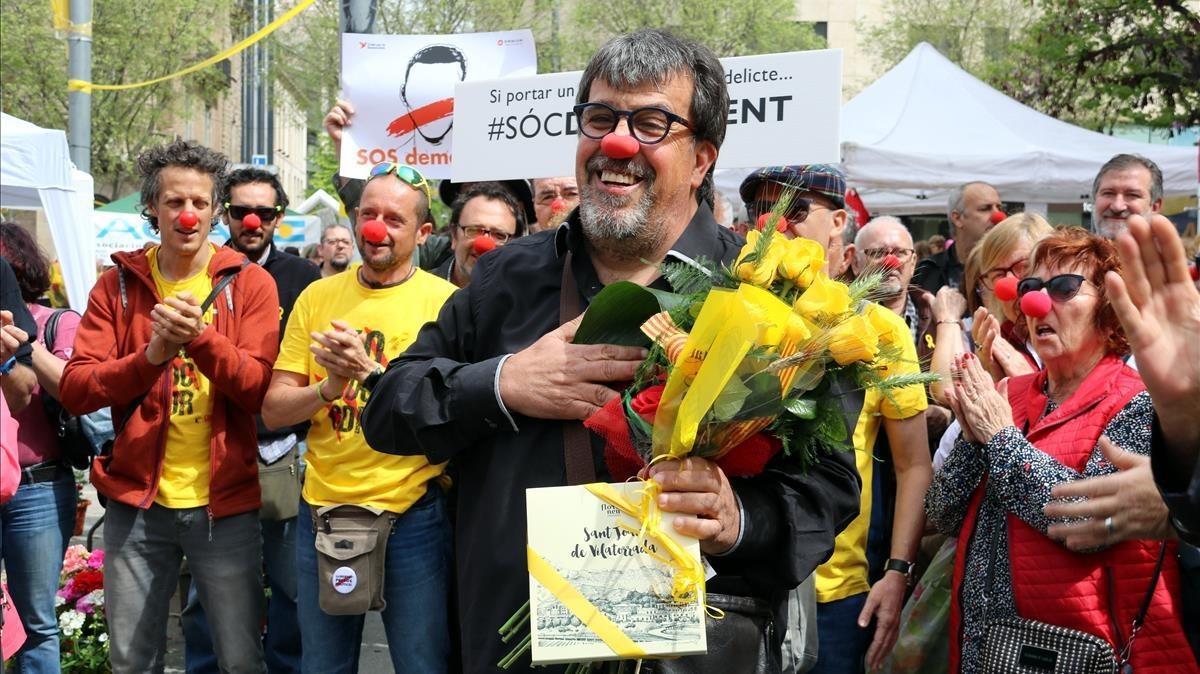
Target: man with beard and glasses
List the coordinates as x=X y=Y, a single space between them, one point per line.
x=496 y=382
x=485 y=210
x=253 y=202
x=336 y=250
x=341 y=332
x=1127 y=184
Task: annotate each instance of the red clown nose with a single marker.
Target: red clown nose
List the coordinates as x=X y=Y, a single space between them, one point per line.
x=998 y=217
x=188 y=220
x=1194 y=271
x=781 y=225
x=890 y=262
x=1035 y=305
x=252 y=221
x=1006 y=289
x=374 y=231
x=559 y=204
x=619 y=147
x=482 y=244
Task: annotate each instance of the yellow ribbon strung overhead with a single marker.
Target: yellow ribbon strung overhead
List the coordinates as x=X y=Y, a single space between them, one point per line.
x=89 y=87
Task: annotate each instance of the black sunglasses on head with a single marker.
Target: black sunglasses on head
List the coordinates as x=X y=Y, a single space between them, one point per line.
x=1061 y=288
x=264 y=213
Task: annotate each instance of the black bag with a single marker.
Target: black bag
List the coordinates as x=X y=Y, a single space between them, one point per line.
x=77 y=450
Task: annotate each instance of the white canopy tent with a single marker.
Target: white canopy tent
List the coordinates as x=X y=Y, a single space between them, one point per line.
x=927 y=126
x=36 y=172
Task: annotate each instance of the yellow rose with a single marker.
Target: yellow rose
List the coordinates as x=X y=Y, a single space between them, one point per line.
x=798 y=330
x=853 y=340
x=761 y=272
x=824 y=296
x=886 y=329
x=804 y=260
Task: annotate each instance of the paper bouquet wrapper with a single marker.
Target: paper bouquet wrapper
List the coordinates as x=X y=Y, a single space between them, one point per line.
x=598 y=590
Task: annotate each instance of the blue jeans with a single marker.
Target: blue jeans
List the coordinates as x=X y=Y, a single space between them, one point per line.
x=281 y=644
x=416 y=587
x=35 y=527
x=842 y=644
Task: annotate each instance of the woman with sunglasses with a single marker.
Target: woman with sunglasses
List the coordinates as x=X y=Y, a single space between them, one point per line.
x=1038 y=430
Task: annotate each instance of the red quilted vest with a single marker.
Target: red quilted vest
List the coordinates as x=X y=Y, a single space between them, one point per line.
x=1099 y=593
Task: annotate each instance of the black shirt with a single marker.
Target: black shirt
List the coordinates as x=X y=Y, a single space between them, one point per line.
x=942 y=269
x=11 y=300
x=439 y=399
x=292 y=274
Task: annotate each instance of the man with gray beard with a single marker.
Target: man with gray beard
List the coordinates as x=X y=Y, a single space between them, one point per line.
x=497 y=385
x=1127 y=184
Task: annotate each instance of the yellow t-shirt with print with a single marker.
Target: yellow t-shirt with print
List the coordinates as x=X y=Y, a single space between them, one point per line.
x=845 y=574
x=186 y=461
x=342 y=468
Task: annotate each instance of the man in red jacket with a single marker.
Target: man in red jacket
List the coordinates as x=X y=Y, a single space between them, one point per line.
x=184 y=382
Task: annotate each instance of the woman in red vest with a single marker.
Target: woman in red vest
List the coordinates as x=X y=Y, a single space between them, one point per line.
x=1015 y=448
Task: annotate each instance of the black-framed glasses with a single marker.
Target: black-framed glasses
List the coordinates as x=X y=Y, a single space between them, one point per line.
x=500 y=236
x=264 y=213
x=901 y=254
x=991 y=276
x=797 y=209
x=1061 y=288
x=648 y=125
x=405 y=173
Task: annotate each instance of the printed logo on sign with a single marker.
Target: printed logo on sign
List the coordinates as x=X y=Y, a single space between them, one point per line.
x=344 y=580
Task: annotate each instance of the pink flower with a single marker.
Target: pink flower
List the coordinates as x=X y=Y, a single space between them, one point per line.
x=96 y=560
x=84 y=605
x=68 y=591
x=75 y=559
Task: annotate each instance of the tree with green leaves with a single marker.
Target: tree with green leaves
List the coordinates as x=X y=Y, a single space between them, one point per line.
x=1097 y=63
x=1120 y=61
x=132 y=42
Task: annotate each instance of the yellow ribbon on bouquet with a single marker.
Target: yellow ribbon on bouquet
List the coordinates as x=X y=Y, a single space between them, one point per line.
x=730 y=323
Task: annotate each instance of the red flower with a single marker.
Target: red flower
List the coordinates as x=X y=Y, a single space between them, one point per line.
x=645 y=403
x=750 y=458
x=87 y=580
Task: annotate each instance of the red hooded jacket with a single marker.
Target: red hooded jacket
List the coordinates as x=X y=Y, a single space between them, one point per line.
x=236 y=352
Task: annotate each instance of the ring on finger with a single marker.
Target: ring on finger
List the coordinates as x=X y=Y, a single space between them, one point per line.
x=1108 y=525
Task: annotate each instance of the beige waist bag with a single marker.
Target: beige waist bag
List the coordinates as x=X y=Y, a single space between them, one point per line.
x=351 y=545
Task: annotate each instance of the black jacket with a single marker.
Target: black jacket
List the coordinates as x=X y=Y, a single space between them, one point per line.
x=292 y=274
x=439 y=399
x=942 y=269
x=10 y=300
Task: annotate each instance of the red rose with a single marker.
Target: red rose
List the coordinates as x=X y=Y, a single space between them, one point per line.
x=750 y=458
x=645 y=403
x=87 y=580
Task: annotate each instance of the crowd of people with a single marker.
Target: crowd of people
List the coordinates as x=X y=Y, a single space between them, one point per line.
x=359 y=435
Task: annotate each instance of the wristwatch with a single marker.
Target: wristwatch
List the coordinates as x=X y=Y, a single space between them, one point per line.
x=372 y=379
x=903 y=566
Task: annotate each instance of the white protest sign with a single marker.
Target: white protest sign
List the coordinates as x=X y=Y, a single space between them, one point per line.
x=402 y=90
x=783 y=109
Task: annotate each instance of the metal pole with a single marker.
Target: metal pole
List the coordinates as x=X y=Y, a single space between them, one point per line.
x=79 y=67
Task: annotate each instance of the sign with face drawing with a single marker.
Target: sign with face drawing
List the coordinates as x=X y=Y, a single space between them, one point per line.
x=402 y=90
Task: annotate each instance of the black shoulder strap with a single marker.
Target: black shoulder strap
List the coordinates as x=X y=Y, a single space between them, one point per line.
x=225 y=281
x=577 y=446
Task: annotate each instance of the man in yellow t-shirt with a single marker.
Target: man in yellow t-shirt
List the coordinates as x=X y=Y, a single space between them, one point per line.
x=342 y=332
x=854 y=587
x=184 y=479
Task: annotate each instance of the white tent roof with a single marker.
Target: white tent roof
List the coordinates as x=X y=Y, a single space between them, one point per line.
x=927 y=126
x=36 y=172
